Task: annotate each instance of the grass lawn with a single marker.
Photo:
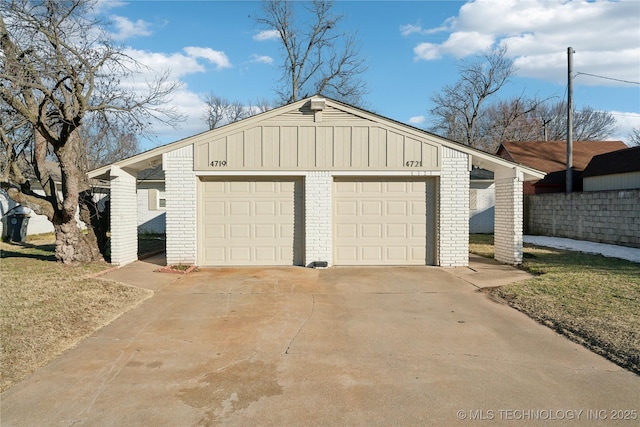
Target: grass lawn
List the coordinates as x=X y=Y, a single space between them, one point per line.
x=593 y=300
x=48 y=307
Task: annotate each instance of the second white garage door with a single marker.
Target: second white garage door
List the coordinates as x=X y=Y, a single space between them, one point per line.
x=251 y=222
x=380 y=222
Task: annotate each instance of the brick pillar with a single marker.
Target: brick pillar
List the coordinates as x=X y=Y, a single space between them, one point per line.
x=453 y=208
x=181 y=197
x=318 y=231
x=508 y=216
x=124 y=218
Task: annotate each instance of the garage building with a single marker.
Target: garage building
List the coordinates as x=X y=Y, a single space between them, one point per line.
x=314 y=182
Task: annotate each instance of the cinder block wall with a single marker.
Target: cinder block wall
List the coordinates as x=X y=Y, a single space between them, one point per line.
x=611 y=217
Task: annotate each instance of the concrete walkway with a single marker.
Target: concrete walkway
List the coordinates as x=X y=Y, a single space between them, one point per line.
x=613 y=251
x=343 y=346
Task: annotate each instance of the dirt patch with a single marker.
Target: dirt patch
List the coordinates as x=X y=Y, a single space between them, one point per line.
x=48 y=307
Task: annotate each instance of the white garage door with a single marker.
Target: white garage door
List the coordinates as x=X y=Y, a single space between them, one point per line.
x=251 y=222
x=380 y=222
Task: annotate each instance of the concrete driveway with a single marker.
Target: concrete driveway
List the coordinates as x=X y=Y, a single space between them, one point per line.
x=343 y=346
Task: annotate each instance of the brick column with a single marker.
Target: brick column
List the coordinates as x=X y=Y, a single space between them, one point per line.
x=453 y=208
x=181 y=197
x=124 y=218
x=508 y=216
x=318 y=187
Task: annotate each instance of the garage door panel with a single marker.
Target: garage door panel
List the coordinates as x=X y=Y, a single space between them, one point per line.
x=396 y=230
x=239 y=187
x=347 y=231
x=265 y=254
x=396 y=208
x=396 y=253
x=371 y=208
x=214 y=231
x=418 y=208
x=239 y=254
x=346 y=207
x=371 y=254
x=371 y=231
x=251 y=222
x=240 y=208
x=265 y=208
x=379 y=221
x=240 y=231
x=265 y=231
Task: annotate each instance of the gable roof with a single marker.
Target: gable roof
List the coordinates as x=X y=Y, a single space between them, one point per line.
x=551 y=156
x=153 y=157
x=621 y=161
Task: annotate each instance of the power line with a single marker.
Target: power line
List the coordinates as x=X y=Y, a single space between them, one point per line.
x=608 y=78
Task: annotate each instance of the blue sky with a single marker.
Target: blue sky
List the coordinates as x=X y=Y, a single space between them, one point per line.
x=411 y=49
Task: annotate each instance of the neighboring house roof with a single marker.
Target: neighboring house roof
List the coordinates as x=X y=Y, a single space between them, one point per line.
x=551 y=156
x=621 y=161
x=153 y=157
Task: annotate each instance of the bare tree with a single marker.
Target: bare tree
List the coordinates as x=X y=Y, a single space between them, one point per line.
x=589 y=124
x=458 y=107
x=511 y=120
x=105 y=142
x=634 y=137
x=57 y=69
x=220 y=111
x=317 y=57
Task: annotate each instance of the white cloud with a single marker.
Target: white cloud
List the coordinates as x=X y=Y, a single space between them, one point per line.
x=213 y=56
x=267 y=35
x=537 y=32
x=261 y=59
x=416 y=120
x=127 y=28
x=626 y=123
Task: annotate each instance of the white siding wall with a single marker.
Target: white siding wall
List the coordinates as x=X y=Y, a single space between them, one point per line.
x=38 y=224
x=482 y=207
x=124 y=224
x=180 y=190
x=508 y=216
x=453 y=207
x=318 y=229
x=150 y=220
x=619 y=181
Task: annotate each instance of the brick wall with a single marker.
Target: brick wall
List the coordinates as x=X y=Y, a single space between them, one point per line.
x=508 y=216
x=318 y=237
x=180 y=190
x=611 y=217
x=453 y=208
x=124 y=221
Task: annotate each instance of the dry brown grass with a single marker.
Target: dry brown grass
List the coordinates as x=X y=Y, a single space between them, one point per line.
x=47 y=307
x=593 y=300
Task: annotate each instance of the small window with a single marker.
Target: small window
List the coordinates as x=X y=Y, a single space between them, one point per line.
x=157 y=199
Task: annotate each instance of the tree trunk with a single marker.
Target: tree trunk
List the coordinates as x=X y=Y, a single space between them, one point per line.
x=72 y=244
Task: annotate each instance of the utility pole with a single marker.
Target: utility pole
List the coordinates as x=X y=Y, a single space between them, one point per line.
x=569 y=178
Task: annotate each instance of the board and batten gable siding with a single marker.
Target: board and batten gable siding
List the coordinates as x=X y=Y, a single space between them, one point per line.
x=297 y=140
